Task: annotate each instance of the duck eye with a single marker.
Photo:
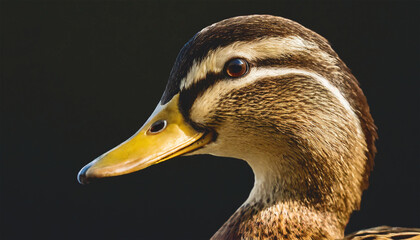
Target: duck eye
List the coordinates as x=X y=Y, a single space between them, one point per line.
x=236 y=67
x=157 y=127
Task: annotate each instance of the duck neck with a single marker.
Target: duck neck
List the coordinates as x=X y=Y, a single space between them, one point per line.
x=289 y=206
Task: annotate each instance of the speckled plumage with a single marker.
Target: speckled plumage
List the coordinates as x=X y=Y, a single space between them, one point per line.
x=386 y=233
x=294 y=112
x=310 y=153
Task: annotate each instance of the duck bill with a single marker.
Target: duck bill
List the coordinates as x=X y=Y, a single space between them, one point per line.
x=165 y=135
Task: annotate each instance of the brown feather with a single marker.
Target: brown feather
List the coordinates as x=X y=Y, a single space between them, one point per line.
x=321 y=151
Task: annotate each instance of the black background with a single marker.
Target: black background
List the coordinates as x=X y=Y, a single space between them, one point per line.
x=78 y=78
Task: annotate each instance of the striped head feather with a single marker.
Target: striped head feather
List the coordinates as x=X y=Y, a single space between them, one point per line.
x=298 y=117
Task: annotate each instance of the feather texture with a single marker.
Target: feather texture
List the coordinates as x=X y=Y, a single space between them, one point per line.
x=386 y=233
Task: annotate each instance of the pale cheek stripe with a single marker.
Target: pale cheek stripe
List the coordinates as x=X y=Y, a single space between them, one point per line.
x=324 y=83
x=259 y=73
x=270 y=72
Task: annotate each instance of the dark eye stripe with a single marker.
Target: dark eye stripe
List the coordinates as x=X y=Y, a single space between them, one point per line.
x=188 y=96
x=295 y=61
x=212 y=78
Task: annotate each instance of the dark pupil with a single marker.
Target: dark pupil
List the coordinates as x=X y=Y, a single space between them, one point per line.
x=236 y=66
x=158 y=126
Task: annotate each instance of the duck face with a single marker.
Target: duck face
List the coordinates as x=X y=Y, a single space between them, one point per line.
x=259 y=88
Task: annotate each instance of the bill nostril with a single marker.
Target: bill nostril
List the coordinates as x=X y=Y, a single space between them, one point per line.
x=157 y=127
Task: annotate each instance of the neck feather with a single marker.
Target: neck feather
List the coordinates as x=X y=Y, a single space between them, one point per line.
x=280 y=220
x=289 y=206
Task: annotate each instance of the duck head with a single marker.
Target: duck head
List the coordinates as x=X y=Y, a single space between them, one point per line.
x=273 y=93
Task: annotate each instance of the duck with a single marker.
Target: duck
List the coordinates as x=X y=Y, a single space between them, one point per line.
x=273 y=93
